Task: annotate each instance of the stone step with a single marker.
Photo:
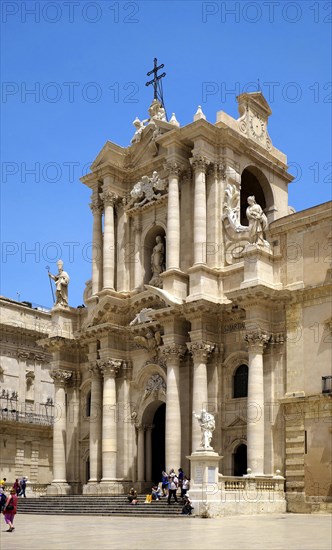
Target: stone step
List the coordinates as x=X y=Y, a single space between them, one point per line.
x=106 y=506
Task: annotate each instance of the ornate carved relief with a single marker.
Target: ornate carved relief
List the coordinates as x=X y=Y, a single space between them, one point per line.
x=110 y=367
x=200 y=351
x=150 y=341
x=146 y=190
x=257 y=340
x=154 y=385
x=61 y=377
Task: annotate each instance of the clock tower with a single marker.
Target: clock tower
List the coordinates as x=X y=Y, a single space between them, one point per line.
x=254 y=113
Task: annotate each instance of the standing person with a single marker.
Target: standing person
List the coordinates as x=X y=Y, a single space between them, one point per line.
x=3 y=499
x=23 y=484
x=3 y=483
x=180 y=477
x=164 y=483
x=16 y=486
x=172 y=487
x=185 y=487
x=9 y=510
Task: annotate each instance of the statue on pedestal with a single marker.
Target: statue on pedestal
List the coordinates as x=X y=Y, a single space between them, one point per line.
x=61 y=284
x=257 y=222
x=207 y=424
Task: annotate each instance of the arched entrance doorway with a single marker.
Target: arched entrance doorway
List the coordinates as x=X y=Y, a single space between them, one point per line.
x=158 y=443
x=240 y=460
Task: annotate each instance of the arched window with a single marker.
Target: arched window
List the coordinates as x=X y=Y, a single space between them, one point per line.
x=88 y=405
x=240 y=382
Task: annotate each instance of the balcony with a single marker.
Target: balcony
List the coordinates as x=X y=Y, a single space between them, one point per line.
x=12 y=415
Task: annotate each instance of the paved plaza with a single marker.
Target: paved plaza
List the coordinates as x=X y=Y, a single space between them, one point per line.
x=284 y=531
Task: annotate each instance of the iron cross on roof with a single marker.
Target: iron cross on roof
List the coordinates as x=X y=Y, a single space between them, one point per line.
x=155 y=79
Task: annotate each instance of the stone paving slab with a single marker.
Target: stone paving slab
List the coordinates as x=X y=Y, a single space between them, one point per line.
x=277 y=532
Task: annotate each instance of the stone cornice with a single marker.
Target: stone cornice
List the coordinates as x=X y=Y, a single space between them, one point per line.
x=304 y=218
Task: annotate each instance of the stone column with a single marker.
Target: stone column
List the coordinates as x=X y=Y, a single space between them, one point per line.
x=109 y=199
x=200 y=354
x=60 y=377
x=95 y=423
x=255 y=403
x=148 y=451
x=72 y=437
x=173 y=217
x=110 y=368
x=128 y=455
x=140 y=452
x=199 y=164
x=137 y=253
x=173 y=355
x=97 y=240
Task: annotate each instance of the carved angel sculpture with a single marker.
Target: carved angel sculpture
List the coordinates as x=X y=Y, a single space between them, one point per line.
x=150 y=341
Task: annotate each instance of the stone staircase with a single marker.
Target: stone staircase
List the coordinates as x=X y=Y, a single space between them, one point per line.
x=100 y=506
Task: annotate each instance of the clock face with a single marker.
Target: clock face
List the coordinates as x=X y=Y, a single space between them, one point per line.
x=257 y=126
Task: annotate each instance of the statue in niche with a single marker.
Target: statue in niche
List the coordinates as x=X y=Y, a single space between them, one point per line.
x=257 y=222
x=207 y=424
x=157 y=262
x=61 y=284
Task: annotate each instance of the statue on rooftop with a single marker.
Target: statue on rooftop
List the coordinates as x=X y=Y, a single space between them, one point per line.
x=61 y=284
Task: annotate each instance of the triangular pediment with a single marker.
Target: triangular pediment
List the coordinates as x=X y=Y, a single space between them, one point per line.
x=110 y=153
x=237 y=423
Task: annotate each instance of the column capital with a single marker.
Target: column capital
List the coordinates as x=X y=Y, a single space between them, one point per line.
x=200 y=351
x=96 y=207
x=173 y=351
x=60 y=376
x=257 y=340
x=109 y=367
x=109 y=197
x=94 y=369
x=174 y=167
x=199 y=162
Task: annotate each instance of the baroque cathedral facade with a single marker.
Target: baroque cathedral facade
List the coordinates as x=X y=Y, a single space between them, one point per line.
x=208 y=292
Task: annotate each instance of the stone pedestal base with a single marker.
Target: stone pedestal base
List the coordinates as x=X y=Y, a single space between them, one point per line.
x=258 y=267
x=58 y=489
x=204 y=284
x=204 y=489
x=175 y=282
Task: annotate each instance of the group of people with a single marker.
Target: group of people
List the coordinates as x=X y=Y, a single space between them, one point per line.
x=170 y=484
x=8 y=503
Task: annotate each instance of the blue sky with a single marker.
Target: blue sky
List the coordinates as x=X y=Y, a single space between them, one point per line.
x=73 y=77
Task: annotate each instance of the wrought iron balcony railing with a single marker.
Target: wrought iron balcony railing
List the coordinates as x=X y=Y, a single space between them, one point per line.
x=13 y=415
